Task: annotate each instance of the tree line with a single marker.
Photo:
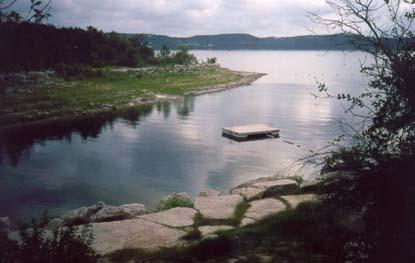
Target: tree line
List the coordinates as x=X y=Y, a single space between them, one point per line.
x=29 y=44
x=32 y=46
x=35 y=46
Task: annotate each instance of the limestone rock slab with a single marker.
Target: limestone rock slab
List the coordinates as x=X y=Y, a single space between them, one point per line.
x=207 y=192
x=246 y=221
x=207 y=230
x=108 y=213
x=263 y=208
x=266 y=187
x=175 y=217
x=247 y=192
x=81 y=215
x=133 y=233
x=294 y=200
x=277 y=187
x=218 y=207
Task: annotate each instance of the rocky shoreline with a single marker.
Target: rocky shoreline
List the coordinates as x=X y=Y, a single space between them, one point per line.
x=132 y=226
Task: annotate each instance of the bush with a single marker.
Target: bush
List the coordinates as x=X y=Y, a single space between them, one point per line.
x=212 y=60
x=39 y=245
x=164 y=57
x=180 y=57
x=176 y=200
x=183 y=57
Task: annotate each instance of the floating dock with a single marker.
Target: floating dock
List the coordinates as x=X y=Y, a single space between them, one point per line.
x=252 y=131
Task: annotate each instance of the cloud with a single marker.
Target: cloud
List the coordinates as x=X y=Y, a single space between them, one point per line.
x=187 y=17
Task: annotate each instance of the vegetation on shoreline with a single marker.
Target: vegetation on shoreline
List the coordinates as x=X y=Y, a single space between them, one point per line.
x=87 y=63
x=39 y=244
x=173 y=201
x=103 y=89
x=33 y=46
x=382 y=149
x=55 y=46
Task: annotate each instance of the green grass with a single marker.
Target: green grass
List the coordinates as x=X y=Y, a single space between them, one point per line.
x=194 y=234
x=240 y=210
x=172 y=202
x=64 y=97
x=285 y=202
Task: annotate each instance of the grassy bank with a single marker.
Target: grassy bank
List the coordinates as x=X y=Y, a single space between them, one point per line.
x=104 y=90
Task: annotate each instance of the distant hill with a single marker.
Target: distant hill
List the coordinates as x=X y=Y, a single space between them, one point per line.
x=246 y=41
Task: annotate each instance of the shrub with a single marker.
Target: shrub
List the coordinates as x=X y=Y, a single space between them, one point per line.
x=212 y=60
x=176 y=200
x=39 y=245
x=183 y=57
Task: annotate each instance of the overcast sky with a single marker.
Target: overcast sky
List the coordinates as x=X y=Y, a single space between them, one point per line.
x=188 y=17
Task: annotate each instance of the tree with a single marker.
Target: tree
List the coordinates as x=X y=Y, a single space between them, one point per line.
x=38 y=12
x=182 y=56
x=383 y=149
x=164 y=55
x=212 y=60
x=389 y=98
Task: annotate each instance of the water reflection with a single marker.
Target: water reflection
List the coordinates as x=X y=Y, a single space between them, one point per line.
x=143 y=153
x=17 y=143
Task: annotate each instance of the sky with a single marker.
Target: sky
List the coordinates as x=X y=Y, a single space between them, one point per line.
x=188 y=17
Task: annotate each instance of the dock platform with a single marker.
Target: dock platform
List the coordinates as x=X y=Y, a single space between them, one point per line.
x=252 y=131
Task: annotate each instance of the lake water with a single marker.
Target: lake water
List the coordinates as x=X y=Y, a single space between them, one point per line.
x=146 y=153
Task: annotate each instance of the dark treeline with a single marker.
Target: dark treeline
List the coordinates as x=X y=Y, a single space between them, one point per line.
x=31 y=46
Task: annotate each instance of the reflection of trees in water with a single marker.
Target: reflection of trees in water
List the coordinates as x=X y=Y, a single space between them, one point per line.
x=134 y=115
x=165 y=108
x=16 y=144
x=186 y=106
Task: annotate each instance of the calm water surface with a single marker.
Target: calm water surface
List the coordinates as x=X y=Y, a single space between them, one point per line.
x=143 y=154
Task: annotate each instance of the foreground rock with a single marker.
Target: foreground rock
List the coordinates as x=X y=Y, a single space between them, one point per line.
x=266 y=187
x=295 y=200
x=277 y=187
x=101 y=212
x=247 y=221
x=218 y=207
x=247 y=192
x=81 y=215
x=207 y=192
x=109 y=213
x=176 y=217
x=261 y=209
x=133 y=233
x=207 y=230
